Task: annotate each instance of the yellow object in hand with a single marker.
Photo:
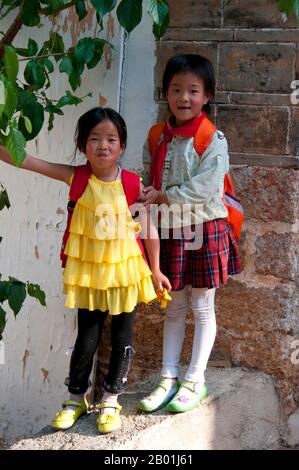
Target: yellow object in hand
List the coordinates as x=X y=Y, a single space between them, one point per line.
x=163 y=297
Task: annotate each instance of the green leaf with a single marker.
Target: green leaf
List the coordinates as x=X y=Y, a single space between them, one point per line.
x=29 y=106
x=2 y=96
x=31 y=51
x=68 y=99
x=159 y=30
x=10 y=99
x=48 y=64
x=34 y=74
x=99 y=48
x=35 y=112
x=103 y=6
x=129 y=13
x=75 y=80
x=158 y=10
x=66 y=65
x=296 y=8
x=54 y=45
x=2 y=321
x=4 y=290
x=27 y=123
x=54 y=6
x=15 y=3
x=95 y=60
x=286 y=6
x=11 y=63
x=81 y=10
x=29 y=13
x=51 y=121
x=2 y=92
x=51 y=108
x=35 y=291
x=4 y=202
x=75 y=76
x=32 y=47
x=17 y=295
x=84 y=50
x=15 y=143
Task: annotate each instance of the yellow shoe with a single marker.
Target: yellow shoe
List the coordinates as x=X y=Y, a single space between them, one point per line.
x=106 y=422
x=66 y=418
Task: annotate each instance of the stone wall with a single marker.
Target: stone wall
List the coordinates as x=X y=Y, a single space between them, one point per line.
x=255 y=51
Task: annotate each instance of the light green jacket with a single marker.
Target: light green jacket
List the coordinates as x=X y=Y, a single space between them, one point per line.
x=192 y=180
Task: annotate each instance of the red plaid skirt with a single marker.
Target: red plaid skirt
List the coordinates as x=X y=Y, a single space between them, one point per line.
x=214 y=257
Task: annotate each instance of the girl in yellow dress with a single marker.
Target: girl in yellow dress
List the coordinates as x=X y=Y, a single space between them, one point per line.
x=105 y=271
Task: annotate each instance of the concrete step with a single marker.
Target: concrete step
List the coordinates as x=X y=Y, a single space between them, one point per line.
x=241 y=412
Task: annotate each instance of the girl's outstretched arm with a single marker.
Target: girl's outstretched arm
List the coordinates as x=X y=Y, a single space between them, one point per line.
x=56 y=171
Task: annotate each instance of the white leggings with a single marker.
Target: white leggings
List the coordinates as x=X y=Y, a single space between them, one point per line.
x=202 y=303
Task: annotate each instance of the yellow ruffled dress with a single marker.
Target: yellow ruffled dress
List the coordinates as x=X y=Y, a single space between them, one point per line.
x=105 y=268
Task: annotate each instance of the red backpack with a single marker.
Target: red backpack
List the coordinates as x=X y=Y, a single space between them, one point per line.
x=202 y=140
x=82 y=173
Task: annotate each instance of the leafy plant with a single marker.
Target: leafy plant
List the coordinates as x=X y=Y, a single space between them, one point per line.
x=24 y=103
x=288 y=6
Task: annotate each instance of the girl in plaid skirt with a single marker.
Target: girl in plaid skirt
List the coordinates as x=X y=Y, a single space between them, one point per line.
x=198 y=247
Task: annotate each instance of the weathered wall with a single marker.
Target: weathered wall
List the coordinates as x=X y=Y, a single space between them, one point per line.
x=255 y=54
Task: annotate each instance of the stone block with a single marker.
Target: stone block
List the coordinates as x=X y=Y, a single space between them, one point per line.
x=246 y=98
x=277 y=254
x=260 y=160
x=198 y=34
x=254 y=129
x=165 y=50
x=206 y=13
x=293 y=142
x=256 y=67
x=245 y=312
x=256 y=14
x=256 y=326
x=268 y=194
x=277 y=35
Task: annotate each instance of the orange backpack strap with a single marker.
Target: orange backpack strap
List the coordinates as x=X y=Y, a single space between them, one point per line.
x=154 y=136
x=79 y=182
x=203 y=136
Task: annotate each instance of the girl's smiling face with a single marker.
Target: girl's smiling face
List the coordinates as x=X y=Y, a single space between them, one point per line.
x=103 y=147
x=186 y=96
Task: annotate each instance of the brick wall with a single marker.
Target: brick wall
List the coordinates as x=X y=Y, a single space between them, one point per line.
x=255 y=52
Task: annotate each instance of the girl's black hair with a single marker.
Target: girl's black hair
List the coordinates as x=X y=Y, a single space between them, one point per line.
x=194 y=63
x=94 y=116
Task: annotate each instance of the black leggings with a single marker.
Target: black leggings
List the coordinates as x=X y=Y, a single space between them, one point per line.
x=90 y=327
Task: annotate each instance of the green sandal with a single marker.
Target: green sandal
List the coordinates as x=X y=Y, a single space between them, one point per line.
x=161 y=395
x=65 y=419
x=106 y=422
x=185 y=402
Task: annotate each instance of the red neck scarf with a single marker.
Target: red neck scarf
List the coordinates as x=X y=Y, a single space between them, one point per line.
x=187 y=130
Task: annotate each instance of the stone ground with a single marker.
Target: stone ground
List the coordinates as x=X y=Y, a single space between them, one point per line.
x=242 y=412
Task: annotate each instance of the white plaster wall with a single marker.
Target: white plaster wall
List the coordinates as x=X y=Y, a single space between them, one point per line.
x=137 y=97
x=36 y=364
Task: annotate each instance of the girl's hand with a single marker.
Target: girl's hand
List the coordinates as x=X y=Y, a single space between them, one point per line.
x=149 y=196
x=161 y=281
